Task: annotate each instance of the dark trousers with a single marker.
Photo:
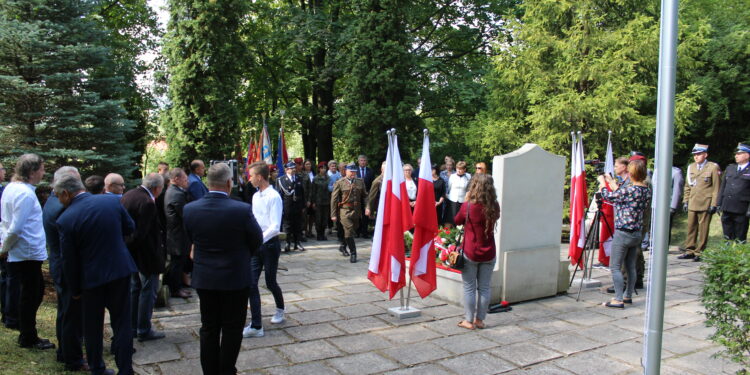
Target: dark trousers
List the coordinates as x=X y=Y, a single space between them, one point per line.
x=69 y=328
x=115 y=297
x=735 y=226
x=266 y=257
x=340 y=231
x=223 y=314
x=322 y=216
x=364 y=221
x=292 y=220
x=29 y=276
x=143 y=290
x=175 y=269
x=10 y=291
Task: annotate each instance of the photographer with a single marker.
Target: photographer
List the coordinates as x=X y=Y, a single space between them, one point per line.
x=630 y=201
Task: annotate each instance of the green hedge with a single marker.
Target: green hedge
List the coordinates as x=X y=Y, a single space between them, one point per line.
x=726 y=296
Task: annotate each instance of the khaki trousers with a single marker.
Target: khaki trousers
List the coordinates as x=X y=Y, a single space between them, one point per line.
x=698 y=223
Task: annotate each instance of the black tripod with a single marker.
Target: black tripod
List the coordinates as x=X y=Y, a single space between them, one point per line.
x=591 y=246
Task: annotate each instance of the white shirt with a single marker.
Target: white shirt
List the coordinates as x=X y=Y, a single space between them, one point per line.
x=411 y=189
x=457 y=187
x=267 y=209
x=741 y=167
x=22 y=216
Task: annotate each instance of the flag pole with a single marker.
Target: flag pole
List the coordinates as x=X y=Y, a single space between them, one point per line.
x=401 y=291
x=425 y=133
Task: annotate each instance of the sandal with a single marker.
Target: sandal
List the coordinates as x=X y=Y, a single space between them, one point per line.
x=479 y=324
x=614 y=305
x=466 y=324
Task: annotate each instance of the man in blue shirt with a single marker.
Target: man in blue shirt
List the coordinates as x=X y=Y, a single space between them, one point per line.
x=196 y=188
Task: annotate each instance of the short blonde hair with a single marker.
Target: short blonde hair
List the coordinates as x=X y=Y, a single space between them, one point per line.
x=461 y=164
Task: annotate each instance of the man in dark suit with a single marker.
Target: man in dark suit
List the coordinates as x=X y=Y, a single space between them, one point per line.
x=145 y=247
x=196 y=188
x=69 y=323
x=293 y=195
x=178 y=246
x=97 y=266
x=734 y=197
x=224 y=234
x=368 y=176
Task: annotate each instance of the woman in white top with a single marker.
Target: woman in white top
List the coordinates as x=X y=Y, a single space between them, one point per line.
x=411 y=185
x=457 y=186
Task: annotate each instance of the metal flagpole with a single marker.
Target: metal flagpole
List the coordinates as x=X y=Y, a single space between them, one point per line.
x=665 y=136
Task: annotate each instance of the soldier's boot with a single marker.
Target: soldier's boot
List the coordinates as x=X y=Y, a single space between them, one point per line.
x=352 y=250
x=342 y=249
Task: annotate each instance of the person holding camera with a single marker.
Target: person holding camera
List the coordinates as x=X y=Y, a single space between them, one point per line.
x=630 y=201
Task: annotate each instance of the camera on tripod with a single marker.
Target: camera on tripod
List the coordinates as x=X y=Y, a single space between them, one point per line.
x=597 y=164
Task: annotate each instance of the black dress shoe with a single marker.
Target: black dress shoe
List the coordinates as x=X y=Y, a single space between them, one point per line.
x=611 y=290
x=697 y=259
x=152 y=335
x=686 y=256
x=42 y=344
x=84 y=367
x=108 y=371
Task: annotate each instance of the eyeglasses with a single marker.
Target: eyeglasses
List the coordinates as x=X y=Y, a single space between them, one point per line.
x=478 y=168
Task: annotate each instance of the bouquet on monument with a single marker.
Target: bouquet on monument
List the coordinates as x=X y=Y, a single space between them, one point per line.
x=446 y=241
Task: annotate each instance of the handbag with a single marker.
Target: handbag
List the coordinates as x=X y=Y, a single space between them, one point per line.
x=456 y=258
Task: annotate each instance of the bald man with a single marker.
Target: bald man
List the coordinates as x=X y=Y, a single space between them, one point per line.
x=114 y=184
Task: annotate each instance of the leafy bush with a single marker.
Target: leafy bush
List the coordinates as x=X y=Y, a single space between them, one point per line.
x=726 y=296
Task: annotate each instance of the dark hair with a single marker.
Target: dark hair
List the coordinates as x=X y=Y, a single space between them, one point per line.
x=94 y=184
x=637 y=170
x=482 y=191
x=260 y=168
x=26 y=165
x=195 y=164
x=623 y=160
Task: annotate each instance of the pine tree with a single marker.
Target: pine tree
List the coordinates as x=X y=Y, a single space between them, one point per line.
x=54 y=101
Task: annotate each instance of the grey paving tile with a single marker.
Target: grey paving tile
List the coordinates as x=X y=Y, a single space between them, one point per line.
x=592 y=363
x=532 y=310
x=444 y=311
x=408 y=334
x=679 y=317
x=396 y=322
x=424 y=369
x=323 y=283
x=190 y=349
x=317 y=316
x=181 y=367
x=703 y=362
x=360 y=343
x=508 y=334
x=680 y=344
x=548 y=325
x=445 y=327
x=360 y=310
x=319 y=304
x=567 y=343
x=155 y=352
x=259 y=358
x=179 y=321
x=696 y=330
x=477 y=364
x=309 y=351
x=359 y=298
x=312 y=368
x=585 y=317
x=525 y=353
x=314 y=332
x=605 y=333
x=465 y=343
x=359 y=325
x=319 y=293
x=363 y=363
x=542 y=369
x=272 y=338
x=422 y=352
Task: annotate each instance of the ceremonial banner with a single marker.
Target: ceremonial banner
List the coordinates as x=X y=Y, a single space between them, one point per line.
x=265 y=147
x=423 y=253
x=250 y=157
x=281 y=155
x=578 y=203
x=607 y=219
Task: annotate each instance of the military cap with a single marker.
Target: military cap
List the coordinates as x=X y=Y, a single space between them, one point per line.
x=637 y=155
x=351 y=167
x=742 y=147
x=290 y=165
x=298 y=160
x=272 y=167
x=699 y=148
x=323 y=164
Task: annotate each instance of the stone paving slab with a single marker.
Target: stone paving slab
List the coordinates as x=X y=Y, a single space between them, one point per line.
x=336 y=323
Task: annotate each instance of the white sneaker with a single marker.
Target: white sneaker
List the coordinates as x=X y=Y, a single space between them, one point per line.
x=252 y=332
x=278 y=317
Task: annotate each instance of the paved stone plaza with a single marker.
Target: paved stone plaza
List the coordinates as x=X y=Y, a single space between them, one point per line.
x=337 y=323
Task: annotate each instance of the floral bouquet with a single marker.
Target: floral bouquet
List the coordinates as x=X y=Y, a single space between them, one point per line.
x=446 y=241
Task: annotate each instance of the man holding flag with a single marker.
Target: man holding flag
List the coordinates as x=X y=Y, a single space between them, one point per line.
x=422 y=269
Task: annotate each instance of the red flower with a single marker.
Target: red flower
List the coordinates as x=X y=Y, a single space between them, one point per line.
x=447 y=231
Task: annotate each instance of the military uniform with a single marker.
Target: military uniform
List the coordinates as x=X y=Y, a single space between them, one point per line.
x=293 y=196
x=321 y=198
x=701 y=197
x=734 y=197
x=373 y=198
x=347 y=200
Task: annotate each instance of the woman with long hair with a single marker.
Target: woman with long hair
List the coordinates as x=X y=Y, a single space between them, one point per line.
x=479 y=213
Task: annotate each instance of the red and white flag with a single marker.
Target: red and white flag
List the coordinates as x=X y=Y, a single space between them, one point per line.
x=387 y=261
x=607 y=219
x=578 y=203
x=423 y=252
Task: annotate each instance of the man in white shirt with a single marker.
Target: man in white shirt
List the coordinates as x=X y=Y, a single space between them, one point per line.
x=25 y=245
x=267 y=209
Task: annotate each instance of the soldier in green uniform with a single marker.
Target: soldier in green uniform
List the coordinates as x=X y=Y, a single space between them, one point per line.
x=320 y=200
x=347 y=201
x=373 y=197
x=700 y=201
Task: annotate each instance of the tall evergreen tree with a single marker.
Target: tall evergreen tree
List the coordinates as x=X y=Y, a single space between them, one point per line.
x=54 y=101
x=205 y=56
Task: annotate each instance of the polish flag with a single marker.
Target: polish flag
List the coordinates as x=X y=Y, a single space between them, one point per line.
x=607 y=220
x=578 y=203
x=387 y=261
x=423 y=253
x=250 y=156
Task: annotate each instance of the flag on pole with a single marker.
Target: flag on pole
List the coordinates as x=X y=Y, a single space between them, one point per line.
x=607 y=219
x=387 y=261
x=265 y=146
x=578 y=203
x=423 y=252
x=281 y=155
x=250 y=157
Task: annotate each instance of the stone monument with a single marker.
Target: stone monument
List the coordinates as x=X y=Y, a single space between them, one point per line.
x=529 y=184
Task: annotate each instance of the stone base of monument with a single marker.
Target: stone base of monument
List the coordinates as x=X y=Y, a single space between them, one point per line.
x=587 y=283
x=404 y=312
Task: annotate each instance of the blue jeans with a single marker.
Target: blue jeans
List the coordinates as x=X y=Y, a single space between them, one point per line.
x=625 y=247
x=476 y=277
x=267 y=256
x=143 y=289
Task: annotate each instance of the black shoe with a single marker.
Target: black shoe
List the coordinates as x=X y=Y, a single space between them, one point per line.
x=84 y=367
x=108 y=371
x=342 y=249
x=352 y=250
x=287 y=248
x=152 y=335
x=41 y=344
x=353 y=258
x=697 y=259
x=12 y=326
x=611 y=290
x=687 y=256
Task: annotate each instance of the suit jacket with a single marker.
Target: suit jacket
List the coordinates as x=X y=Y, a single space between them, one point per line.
x=175 y=199
x=144 y=243
x=735 y=190
x=51 y=211
x=702 y=186
x=292 y=193
x=367 y=178
x=225 y=235
x=196 y=188
x=91 y=241
x=677 y=182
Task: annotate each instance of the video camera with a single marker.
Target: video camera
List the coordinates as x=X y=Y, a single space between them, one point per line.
x=597 y=164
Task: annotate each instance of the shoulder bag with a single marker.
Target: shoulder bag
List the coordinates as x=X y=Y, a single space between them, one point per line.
x=456 y=258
